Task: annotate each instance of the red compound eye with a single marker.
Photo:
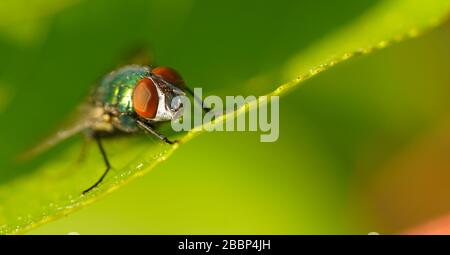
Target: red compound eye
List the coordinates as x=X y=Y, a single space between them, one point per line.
x=169 y=75
x=145 y=98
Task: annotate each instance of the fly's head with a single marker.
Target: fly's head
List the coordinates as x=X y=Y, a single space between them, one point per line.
x=156 y=96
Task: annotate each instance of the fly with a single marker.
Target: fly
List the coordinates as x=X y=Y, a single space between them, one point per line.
x=130 y=99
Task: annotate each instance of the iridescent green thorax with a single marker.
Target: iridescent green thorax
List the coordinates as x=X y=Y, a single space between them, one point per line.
x=114 y=92
x=114 y=95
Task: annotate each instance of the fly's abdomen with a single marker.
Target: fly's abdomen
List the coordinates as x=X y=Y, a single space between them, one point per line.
x=115 y=90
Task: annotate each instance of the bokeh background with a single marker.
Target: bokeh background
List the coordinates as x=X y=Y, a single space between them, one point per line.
x=363 y=147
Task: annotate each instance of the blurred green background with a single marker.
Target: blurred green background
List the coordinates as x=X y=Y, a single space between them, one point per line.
x=363 y=147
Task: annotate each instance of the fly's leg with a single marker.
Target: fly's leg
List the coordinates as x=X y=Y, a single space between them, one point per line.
x=105 y=159
x=150 y=130
x=197 y=99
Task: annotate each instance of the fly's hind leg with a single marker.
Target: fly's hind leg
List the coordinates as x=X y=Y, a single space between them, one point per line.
x=105 y=159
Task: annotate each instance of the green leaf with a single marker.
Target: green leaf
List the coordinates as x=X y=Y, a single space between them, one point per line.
x=50 y=187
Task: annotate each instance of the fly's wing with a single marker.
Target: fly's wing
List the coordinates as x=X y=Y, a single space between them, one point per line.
x=140 y=54
x=81 y=120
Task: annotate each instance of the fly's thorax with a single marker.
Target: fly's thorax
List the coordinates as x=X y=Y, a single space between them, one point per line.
x=115 y=91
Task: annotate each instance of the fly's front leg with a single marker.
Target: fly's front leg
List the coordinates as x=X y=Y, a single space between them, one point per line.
x=197 y=99
x=150 y=130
